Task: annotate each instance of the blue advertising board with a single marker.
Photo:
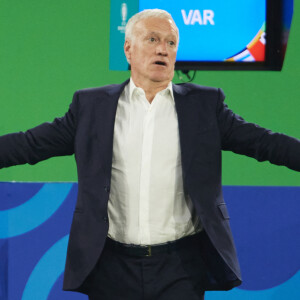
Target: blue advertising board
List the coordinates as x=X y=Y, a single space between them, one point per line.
x=35 y=220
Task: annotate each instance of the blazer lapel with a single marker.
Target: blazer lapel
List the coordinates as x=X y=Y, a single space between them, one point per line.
x=188 y=123
x=106 y=110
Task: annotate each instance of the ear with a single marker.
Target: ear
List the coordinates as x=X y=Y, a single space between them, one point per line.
x=127 y=50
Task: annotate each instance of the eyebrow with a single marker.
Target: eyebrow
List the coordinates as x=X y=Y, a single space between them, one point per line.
x=172 y=36
x=152 y=32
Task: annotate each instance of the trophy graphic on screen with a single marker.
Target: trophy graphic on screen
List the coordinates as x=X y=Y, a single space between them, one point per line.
x=124 y=13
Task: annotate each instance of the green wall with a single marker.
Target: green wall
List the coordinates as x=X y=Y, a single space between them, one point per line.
x=49 y=49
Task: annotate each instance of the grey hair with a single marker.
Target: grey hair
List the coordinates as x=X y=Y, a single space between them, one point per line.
x=147 y=13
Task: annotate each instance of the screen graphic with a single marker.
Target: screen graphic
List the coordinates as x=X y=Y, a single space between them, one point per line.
x=217 y=30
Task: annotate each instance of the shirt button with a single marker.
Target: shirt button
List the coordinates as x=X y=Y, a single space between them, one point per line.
x=106 y=189
x=105 y=219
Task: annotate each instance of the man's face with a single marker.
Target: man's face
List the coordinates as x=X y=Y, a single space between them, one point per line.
x=152 y=52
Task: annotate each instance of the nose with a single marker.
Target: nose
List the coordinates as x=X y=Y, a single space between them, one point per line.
x=161 y=49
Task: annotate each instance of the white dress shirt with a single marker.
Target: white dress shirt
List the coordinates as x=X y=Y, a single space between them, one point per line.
x=147 y=203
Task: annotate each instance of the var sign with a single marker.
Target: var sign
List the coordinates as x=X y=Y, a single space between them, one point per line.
x=195 y=16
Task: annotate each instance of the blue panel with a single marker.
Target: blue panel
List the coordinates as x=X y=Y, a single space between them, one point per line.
x=287 y=290
x=12 y=197
x=46 y=272
x=266 y=227
x=265 y=223
x=34 y=212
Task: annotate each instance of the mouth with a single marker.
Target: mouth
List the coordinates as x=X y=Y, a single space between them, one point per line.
x=160 y=63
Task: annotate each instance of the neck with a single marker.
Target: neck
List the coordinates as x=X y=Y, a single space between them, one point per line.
x=151 y=88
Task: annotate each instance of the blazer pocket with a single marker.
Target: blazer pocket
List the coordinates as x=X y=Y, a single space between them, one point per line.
x=223 y=209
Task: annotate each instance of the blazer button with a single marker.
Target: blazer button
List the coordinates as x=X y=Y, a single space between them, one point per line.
x=105 y=219
x=106 y=189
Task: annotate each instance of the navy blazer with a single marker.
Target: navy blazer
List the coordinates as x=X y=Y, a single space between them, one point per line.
x=206 y=126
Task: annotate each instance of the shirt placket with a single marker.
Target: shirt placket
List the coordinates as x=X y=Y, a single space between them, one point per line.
x=145 y=176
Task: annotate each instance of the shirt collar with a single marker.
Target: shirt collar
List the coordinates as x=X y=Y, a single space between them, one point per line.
x=167 y=91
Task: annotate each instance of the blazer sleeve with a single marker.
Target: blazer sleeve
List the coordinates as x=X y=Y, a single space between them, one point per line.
x=42 y=142
x=251 y=140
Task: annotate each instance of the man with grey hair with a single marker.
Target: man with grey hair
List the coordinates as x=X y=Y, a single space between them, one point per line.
x=150 y=221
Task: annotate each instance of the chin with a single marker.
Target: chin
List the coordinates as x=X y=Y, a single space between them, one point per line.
x=161 y=78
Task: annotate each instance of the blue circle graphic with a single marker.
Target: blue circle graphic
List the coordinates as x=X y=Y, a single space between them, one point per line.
x=46 y=272
x=287 y=290
x=35 y=211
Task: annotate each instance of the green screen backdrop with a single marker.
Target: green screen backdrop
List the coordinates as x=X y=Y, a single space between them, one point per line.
x=49 y=49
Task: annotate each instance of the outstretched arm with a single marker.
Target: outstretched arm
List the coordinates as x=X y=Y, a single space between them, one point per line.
x=252 y=140
x=42 y=142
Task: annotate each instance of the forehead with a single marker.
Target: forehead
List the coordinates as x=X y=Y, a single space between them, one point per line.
x=157 y=25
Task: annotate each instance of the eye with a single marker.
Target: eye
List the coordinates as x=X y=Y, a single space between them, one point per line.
x=152 y=39
x=171 y=43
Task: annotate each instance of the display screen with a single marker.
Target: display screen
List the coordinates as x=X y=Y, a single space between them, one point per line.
x=217 y=30
x=214 y=34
